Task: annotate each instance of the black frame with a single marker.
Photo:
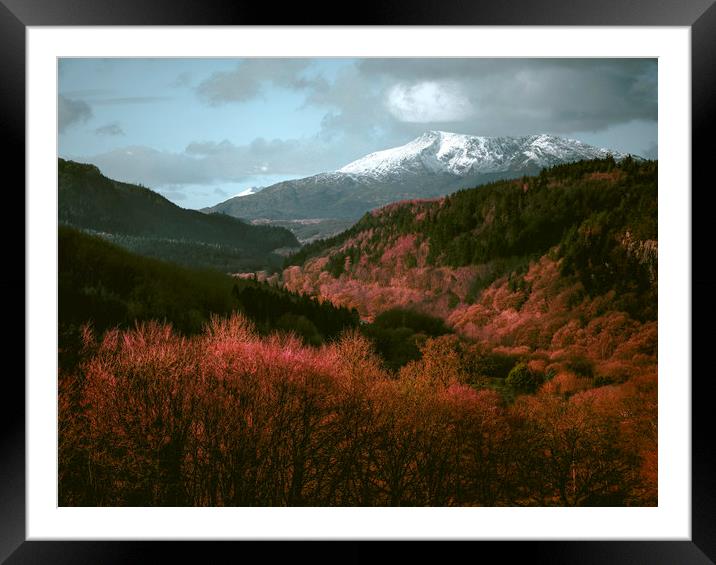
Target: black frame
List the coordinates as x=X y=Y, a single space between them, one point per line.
x=700 y=15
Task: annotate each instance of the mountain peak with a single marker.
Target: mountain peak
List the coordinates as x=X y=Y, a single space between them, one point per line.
x=459 y=154
x=436 y=134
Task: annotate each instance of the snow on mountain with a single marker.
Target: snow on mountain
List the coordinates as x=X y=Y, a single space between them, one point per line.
x=462 y=155
x=248 y=191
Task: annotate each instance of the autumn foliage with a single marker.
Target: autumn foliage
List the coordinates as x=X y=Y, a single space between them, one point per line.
x=506 y=356
x=148 y=417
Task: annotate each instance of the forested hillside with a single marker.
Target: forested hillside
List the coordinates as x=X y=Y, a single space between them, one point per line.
x=145 y=222
x=598 y=218
x=111 y=287
x=556 y=267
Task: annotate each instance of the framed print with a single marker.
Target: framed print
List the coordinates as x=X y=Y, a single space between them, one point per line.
x=360 y=282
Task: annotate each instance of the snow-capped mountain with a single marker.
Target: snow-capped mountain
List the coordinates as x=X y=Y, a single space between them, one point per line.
x=462 y=155
x=432 y=165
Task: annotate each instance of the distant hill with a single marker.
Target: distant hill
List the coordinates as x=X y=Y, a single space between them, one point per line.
x=432 y=165
x=143 y=221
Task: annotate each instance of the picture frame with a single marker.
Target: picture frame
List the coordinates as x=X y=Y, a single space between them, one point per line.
x=700 y=16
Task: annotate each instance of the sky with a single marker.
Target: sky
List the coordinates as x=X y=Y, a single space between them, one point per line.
x=200 y=131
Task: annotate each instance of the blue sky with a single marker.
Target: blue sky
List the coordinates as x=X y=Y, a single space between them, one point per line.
x=202 y=130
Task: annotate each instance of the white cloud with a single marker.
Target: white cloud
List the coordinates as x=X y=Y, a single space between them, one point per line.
x=429 y=101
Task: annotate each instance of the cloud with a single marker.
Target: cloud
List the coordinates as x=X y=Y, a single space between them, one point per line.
x=206 y=162
x=252 y=76
x=110 y=129
x=427 y=102
x=172 y=193
x=390 y=100
x=129 y=100
x=87 y=92
x=71 y=112
x=371 y=104
x=151 y=167
x=375 y=103
x=204 y=148
x=183 y=80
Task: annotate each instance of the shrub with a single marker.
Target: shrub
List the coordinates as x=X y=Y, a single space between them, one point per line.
x=522 y=379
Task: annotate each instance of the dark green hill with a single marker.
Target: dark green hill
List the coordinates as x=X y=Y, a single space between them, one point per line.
x=108 y=286
x=145 y=222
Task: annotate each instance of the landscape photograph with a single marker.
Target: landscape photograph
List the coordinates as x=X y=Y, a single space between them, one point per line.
x=363 y=282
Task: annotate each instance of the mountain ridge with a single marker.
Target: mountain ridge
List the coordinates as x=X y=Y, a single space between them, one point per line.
x=432 y=165
x=463 y=154
x=144 y=221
